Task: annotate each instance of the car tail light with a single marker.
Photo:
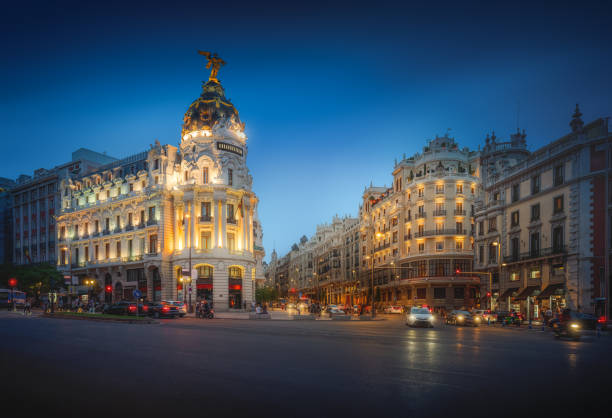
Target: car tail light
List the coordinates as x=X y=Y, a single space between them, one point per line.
x=145 y=308
x=601 y=319
x=132 y=308
x=165 y=309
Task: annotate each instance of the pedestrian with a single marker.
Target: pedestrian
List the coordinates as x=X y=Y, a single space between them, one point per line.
x=45 y=304
x=27 y=307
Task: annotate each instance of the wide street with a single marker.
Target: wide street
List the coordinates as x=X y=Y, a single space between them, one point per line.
x=226 y=367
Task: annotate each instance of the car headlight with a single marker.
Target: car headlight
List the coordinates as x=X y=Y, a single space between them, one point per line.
x=477 y=319
x=431 y=318
x=575 y=325
x=460 y=318
x=412 y=318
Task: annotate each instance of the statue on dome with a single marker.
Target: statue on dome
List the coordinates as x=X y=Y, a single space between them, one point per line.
x=213 y=61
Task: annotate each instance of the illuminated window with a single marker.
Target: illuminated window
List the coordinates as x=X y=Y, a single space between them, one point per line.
x=558 y=204
x=459 y=188
x=535 y=274
x=440 y=246
x=205 y=175
x=515 y=276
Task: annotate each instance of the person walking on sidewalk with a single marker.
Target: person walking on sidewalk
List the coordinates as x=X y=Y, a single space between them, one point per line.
x=27 y=307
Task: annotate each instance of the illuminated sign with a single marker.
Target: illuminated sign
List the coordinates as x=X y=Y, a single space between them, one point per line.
x=224 y=146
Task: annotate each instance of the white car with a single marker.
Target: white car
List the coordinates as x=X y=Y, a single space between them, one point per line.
x=182 y=307
x=419 y=317
x=395 y=309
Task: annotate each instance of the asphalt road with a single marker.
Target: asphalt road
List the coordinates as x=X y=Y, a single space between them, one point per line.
x=296 y=368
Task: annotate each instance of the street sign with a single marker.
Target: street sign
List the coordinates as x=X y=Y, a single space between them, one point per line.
x=137 y=294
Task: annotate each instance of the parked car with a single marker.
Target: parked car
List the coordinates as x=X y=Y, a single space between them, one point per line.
x=394 y=309
x=462 y=318
x=159 y=310
x=125 y=307
x=419 y=317
x=333 y=310
x=181 y=306
x=484 y=315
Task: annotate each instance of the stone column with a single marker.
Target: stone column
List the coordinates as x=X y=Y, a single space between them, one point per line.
x=185 y=225
x=220 y=287
x=224 y=223
x=216 y=225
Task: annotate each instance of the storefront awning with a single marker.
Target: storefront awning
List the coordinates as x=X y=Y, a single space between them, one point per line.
x=508 y=292
x=526 y=292
x=550 y=289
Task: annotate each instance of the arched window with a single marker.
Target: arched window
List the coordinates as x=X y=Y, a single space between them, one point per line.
x=205 y=272
x=235 y=272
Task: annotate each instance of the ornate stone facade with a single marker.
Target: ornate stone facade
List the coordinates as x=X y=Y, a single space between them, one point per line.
x=155 y=219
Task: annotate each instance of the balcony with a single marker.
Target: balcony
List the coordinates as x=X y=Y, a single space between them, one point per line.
x=152 y=253
x=151 y=222
x=495 y=203
x=420 y=215
x=439 y=232
x=140 y=225
x=106 y=232
x=205 y=218
x=231 y=221
x=117 y=230
x=407 y=237
x=85 y=236
x=441 y=212
x=96 y=234
x=132 y=258
x=459 y=212
x=129 y=227
x=543 y=252
x=440 y=191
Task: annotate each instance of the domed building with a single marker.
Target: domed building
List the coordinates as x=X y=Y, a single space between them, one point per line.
x=175 y=223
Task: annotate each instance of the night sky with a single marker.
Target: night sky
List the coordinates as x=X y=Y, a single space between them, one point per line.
x=331 y=95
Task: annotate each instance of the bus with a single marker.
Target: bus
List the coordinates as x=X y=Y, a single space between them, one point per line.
x=7 y=296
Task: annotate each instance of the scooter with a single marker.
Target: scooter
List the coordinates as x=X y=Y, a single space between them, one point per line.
x=570 y=329
x=210 y=314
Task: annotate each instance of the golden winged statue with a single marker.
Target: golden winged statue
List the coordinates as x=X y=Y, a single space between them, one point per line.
x=213 y=61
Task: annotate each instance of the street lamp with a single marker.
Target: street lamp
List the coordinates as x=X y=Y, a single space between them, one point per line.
x=186 y=216
x=499 y=266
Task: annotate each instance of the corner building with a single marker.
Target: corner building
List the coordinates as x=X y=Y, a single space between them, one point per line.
x=419 y=232
x=147 y=221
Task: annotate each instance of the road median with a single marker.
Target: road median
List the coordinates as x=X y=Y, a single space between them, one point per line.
x=86 y=316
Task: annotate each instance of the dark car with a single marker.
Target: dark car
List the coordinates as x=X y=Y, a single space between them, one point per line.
x=586 y=321
x=162 y=310
x=509 y=318
x=462 y=318
x=125 y=307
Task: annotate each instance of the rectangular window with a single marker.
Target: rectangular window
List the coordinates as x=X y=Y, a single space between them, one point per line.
x=481 y=228
x=481 y=256
x=515 y=276
x=130 y=247
x=421 y=247
x=118 y=249
x=107 y=250
x=130 y=219
x=535 y=184
x=186 y=177
x=558 y=204
x=439 y=292
x=459 y=188
x=439 y=245
x=514 y=220
x=97 y=226
x=151 y=213
x=459 y=292
x=131 y=187
x=459 y=227
x=205 y=240
x=421 y=293
x=86 y=253
x=205 y=175
x=107 y=224
x=459 y=245
x=516 y=192
x=439 y=188
x=421 y=190
x=557 y=241
x=492 y=224
x=534 y=244
x=97 y=252
x=558 y=175
x=76 y=231
x=118 y=223
x=535 y=274
x=156 y=164
x=230 y=213
x=230 y=177
x=153 y=244
x=205 y=210
x=535 y=212
x=514 y=247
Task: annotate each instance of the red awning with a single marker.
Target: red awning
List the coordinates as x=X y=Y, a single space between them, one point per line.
x=204 y=286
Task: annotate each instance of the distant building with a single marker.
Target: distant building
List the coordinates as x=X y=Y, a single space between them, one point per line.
x=35 y=200
x=547 y=213
x=6 y=217
x=417 y=235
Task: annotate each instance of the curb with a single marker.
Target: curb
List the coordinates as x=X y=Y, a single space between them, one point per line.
x=121 y=321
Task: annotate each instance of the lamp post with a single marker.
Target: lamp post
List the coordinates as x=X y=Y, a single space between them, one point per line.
x=190 y=273
x=499 y=271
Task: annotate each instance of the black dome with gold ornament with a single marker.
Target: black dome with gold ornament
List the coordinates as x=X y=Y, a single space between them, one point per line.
x=212 y=106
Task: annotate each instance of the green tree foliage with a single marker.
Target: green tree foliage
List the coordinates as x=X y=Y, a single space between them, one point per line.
x=32 y=279
x=266 y=294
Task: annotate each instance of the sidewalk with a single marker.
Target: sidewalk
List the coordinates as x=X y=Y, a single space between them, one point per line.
x=275 y=316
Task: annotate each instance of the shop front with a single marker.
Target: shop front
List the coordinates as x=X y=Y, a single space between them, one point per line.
x=204 y=283
x=235 y=287
x=528 y=303
x=552 y=298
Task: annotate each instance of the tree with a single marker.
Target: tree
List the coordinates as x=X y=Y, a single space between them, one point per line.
x=266 y=294
x=32 y=279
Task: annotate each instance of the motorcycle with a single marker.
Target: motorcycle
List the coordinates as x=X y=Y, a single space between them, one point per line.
x=569 y=329
x=210 y=314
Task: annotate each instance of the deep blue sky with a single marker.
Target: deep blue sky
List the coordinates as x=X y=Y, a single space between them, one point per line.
x=330 y=94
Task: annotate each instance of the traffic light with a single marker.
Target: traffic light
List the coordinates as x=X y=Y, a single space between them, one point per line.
x=488 y=294
x=12 y=282
x=108 y=288
x=457 y=271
